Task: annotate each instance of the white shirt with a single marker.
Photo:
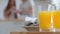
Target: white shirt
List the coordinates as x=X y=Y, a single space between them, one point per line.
x=18 y=2
x=3 y=4
x=33 y=7
x=25 y=6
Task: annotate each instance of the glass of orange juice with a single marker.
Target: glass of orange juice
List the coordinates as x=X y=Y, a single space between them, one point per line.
x=44 y=20
x=56 y=19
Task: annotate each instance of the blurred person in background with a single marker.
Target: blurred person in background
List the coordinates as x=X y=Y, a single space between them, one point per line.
x=25 y=8
x=10 y=10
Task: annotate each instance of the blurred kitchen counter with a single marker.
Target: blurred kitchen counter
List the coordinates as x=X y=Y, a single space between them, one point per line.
x=12 y=20
x=7 y=26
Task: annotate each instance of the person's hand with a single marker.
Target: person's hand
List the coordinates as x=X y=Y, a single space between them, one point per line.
x=28 y=12
x=17 y=11
x=24 y=12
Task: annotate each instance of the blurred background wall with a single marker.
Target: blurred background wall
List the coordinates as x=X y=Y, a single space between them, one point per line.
x=3 y=4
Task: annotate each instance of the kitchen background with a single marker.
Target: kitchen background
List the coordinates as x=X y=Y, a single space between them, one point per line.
x=38 y=5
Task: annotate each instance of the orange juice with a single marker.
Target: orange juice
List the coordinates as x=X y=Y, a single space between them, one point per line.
x=44 y=19
x=56 y=19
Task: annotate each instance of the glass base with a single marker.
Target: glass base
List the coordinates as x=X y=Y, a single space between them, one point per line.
x=52 y=30
x=44 y=30
x=47 y=30
x=57 y=30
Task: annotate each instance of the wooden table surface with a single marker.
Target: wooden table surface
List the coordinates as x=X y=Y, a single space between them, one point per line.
x=34 y=32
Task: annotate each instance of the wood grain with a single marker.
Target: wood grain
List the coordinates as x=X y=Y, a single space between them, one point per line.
x=35 y=33
x=16 y=32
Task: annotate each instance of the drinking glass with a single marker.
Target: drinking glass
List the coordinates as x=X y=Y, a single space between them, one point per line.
x=45 y=18
x=56 y=19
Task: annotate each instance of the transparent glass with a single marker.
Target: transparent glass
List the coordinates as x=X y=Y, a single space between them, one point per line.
x=45 y=18
x=56 y=20
x=56 y=15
